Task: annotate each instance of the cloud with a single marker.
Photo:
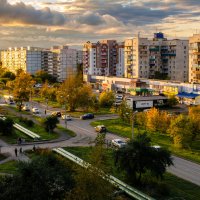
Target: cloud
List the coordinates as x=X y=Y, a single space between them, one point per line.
x=25 y=14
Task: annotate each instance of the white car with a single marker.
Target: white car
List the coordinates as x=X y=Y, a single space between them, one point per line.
x=119 y=143
x=66 y=117
x=26 y=108
x=35 y=110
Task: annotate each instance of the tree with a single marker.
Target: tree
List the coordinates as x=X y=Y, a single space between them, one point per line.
x=6 y=126
x=138 y=157
x=48 y=92
x=50 y=123
x=23 y=86
x=194 y=117
x=45 y=177
x=181 y=131
x=157 y=120
x=141 y=120
x=125 y=112
x=90 y=178
x=8 y=74
x=69 y=92
x=172 y=101
x=106 y=99
x=44 y=77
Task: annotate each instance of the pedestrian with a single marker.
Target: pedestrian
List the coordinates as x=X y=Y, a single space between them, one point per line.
x=20 y=140
x=20 y=150
x=16 y=152
x=45 y=112
x=34 y=148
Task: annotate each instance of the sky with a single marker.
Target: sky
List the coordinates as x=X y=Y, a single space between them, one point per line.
x=44 y=23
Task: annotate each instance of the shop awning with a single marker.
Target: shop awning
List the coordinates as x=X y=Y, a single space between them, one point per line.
x=187 y=95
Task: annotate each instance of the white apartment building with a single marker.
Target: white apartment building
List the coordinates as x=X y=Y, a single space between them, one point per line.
x=146 y=58
x=120 y=61
x=194 y=59
x=28 y=59
x=64 y=62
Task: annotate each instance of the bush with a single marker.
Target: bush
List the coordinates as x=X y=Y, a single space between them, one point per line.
x=6 y=126
x=26 y=121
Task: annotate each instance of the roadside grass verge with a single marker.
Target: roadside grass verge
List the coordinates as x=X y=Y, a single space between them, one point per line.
x=66 y=130
x=178 y=187
x=118 y=127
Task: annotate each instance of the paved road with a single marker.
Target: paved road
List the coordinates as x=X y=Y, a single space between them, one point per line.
x=85 y=136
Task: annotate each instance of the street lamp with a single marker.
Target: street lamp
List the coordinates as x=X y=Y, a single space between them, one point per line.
x=132 y=130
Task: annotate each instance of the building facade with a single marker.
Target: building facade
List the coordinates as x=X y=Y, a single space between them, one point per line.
x=194 y=59
x=28 y=59
x=151 y=58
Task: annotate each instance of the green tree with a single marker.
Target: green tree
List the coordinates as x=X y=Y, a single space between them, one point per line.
x=50 y=123
x=181 y=131
x=9 y=75
x=44 y=77
x=48 y=92
x=90 y=178
x=45 y=177
x=106 y=99
x=125 y=112
x=23 y=86
x=138 y=158
x=172 y=101
x=6 y=126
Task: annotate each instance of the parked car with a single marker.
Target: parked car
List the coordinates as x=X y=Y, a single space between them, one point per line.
x=100 y=129
x=66 y=117
x=87 y=116
x=35 y=110
x=119 y=143
x=56 y=113
x=26 y=108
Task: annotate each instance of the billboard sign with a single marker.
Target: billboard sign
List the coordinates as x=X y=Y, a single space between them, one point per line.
x=144 y=104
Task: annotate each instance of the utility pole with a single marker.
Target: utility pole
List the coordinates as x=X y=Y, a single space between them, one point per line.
x=132 y=130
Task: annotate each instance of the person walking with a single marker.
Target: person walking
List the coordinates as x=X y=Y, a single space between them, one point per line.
x=45 y=112
x=20 y=150
x=16 y=152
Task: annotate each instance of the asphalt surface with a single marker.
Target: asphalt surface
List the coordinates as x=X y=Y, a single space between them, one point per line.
x=85 y=137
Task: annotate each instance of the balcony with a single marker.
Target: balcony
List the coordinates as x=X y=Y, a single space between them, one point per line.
x=156 y=48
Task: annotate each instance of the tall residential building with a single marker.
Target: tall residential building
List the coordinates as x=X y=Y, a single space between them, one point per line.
x=194 y=59
x=149 y=58
x=100 y=58
x=64 y=61
x=28 y=59
x=120 y=63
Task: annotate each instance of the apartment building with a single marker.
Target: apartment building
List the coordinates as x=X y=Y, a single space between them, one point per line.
x=100 y=58
x=120 y=63
x=64 y=62
x=194 y=59
x=149 y=58
x=28 y=59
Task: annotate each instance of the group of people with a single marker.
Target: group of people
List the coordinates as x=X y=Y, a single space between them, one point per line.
x=21 y=151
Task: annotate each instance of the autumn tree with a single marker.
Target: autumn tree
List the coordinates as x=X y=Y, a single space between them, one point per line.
x=140 y=120
x=23 y=86
x=48 y=92
x=157 y=120
x=194 y=117
x=74 y=94
x=125 y=112
x=172 y=101
x=181 y=131
x=42 y=76
x=106 y=99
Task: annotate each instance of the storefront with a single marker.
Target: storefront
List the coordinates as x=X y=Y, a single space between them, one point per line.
x=189 y=98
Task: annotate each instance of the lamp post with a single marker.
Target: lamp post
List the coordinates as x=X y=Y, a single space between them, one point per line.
x=132 y=130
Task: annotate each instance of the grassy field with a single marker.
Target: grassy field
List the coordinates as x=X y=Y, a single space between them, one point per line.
x=120 y=128
x=38 y=129
x=13 y=139
x=8 y=167
x=179 y=188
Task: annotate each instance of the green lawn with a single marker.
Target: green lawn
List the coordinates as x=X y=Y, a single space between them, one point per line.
x=8 y=167
x=12 y=139
x=178 y=187
x=38 y=129
x=66 y=130
x=120 y=128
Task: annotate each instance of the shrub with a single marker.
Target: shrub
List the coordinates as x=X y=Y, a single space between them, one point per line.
x=26 y=121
